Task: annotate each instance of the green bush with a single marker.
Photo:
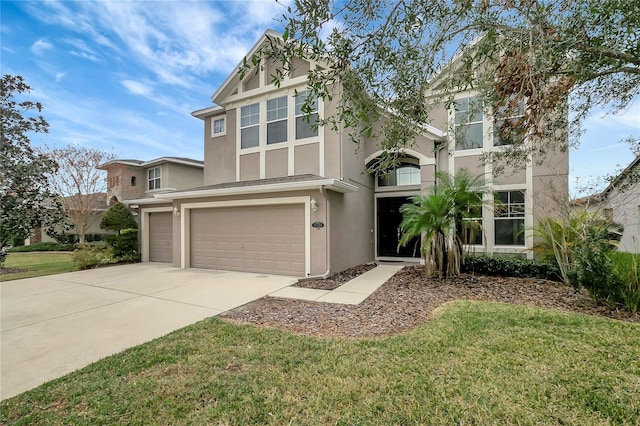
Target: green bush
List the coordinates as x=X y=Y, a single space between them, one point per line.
x=17 y=241
x=594 y=265
x=47 y=246
x=627 y=269
x=117 y=218
x=88 y=256
x=511 y=267
x=125 y=245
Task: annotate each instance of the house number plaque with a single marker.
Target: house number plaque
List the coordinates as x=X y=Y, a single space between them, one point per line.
x=317 y=225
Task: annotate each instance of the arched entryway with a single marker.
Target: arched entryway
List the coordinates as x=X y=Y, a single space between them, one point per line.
x=393 y=189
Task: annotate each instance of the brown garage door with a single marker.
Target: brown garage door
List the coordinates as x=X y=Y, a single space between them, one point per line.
x=265 y=239
x=161 y=237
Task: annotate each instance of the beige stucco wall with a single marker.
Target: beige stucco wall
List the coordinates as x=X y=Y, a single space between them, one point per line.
x=471 y=163
x=333 y=142
x=180 y=176
x=249 y=166
x=306 y=159
x=352 y=214
x=251 y=81
x=220 y=152
x=276 y=163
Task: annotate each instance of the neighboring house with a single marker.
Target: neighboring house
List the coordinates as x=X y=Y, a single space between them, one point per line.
x=75 y=207
x=281 y=197
x=133 y=179
x=620 y=203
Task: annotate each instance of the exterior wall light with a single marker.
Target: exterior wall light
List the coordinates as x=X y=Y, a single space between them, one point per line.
x=176 y=211
x=314 y=205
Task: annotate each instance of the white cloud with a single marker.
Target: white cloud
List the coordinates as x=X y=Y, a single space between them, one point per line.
x=81 y=49
x=137 y=88
x=40 y=46
x=60 y=76
x=177 y=41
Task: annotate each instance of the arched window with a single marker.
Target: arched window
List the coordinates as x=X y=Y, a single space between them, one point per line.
x=405 y=174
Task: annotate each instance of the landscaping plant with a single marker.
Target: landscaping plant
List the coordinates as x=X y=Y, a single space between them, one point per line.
x=441 y=219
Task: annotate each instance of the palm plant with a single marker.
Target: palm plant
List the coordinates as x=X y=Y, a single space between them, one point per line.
x=441 y=219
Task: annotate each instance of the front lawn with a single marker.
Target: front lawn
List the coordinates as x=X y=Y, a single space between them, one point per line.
x=36 y=264
x=474 y=363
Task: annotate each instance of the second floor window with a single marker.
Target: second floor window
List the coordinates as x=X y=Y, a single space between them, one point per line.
x=218 y=127
x=306 y=117
x=154 y=178
x=133 y=181
x=250 y=126
x=468 y=123
x=507 y=126
x=277 y=120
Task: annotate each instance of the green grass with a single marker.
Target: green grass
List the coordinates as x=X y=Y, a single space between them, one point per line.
x=475 y=363
x=37 y=264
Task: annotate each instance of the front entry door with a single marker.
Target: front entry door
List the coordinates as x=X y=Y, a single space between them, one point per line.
x=388 y=226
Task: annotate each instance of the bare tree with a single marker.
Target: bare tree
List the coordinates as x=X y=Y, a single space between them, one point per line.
x=80 y=184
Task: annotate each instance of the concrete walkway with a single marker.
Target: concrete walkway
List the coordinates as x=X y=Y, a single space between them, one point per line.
x=352 y=292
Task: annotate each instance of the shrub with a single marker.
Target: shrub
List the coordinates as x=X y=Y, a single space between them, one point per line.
x=125 y=245
x=511 y=267
x=118 y=217
x=46 y=246
x=594 y=265
x=88 y=256
x=627 y=269
x=17 y=241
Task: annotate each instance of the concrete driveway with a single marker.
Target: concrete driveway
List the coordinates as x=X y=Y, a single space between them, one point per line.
x=53 y=325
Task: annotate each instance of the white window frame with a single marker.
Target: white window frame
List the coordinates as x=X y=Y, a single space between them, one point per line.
x=278 y=110
x=480 y=220
x=299 y=114
x=512 y=213
x=251 y=125
x=157 y=178
x=500 y=117
x=222 y=132
x=467 y=123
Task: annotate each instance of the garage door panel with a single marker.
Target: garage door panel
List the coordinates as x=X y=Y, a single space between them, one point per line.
x=267 y=239
x=161 y=237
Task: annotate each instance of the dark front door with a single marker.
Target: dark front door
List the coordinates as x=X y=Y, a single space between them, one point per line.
x=388 y=223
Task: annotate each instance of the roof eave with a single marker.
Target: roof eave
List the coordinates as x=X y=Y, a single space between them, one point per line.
x=335 y=185
x=145 y=201
x=202 y=113
x=171 y=160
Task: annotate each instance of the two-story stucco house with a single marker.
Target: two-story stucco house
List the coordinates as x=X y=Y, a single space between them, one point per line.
x=283 y=196
x=136 y=179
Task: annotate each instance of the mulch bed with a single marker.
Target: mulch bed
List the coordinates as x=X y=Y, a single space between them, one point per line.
x=407 y=300
x=336 y=280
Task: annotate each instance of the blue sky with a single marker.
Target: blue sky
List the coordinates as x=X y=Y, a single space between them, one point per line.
x=124 y=76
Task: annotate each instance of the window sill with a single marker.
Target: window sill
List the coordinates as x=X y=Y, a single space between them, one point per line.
x=467 y=152
x=398 y=188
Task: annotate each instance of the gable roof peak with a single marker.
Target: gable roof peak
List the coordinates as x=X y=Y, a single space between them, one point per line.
x=269 y=33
